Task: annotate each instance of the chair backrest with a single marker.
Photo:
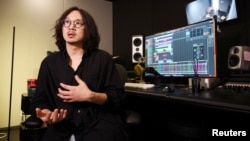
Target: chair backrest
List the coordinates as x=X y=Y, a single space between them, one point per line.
x=122 y=71
x=131 y=117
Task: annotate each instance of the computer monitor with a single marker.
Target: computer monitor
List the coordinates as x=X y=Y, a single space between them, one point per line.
x=200 y=10
x=179 y=52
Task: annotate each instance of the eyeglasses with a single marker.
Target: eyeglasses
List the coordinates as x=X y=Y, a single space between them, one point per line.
x=76 y=23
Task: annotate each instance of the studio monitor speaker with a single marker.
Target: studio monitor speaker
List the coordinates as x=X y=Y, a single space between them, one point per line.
x=239 y=58
x=137 y=48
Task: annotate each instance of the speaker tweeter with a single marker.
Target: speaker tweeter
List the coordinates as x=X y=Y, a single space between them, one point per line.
x=137 y=48
x=239 y=58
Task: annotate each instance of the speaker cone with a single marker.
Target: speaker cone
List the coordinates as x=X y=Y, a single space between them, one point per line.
x=234 y=60
x=137 y=41
x=137 y=56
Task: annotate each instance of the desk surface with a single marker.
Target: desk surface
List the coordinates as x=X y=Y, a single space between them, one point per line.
x=236 y=102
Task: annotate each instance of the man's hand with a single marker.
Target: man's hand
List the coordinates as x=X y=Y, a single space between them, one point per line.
x=50 y=117
x=78 y=93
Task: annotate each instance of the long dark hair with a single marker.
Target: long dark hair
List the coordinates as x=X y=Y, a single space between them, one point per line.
x=91 y=36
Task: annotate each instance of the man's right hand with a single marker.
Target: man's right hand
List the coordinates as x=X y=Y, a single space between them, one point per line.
x=51 y=117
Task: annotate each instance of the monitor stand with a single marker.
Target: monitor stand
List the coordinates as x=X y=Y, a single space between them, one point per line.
x=196 y=84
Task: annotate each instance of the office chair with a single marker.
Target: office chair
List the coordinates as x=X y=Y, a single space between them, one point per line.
x=131 y=117
x=33 y=124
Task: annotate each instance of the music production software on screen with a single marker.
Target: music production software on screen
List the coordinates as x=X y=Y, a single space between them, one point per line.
x=174 y=52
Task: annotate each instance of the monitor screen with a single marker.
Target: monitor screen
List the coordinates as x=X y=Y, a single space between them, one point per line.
x=182 y=51
x=200 y=10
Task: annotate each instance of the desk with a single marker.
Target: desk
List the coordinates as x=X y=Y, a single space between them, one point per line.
x=209 y=109
x=234 y=102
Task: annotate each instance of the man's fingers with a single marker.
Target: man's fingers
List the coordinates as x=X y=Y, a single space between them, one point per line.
x=53 y=116
x=78 y=79
x=58 y=115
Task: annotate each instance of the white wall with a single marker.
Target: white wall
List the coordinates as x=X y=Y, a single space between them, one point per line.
x=33 y=21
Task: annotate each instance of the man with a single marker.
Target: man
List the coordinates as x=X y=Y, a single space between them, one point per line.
x=79 y=91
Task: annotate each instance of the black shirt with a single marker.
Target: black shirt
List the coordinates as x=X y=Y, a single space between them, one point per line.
x=97 y=70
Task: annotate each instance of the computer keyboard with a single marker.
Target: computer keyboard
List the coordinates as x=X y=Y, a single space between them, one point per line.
x=139 y=85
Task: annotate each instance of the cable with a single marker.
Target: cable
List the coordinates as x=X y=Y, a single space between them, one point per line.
x=2 y=135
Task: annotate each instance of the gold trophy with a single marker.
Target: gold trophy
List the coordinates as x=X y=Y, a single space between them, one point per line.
x=139 y=70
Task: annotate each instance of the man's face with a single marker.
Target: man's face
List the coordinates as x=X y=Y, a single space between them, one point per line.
x=73 y=28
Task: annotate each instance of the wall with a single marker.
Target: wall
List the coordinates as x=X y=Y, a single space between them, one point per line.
x=133 y=17
x=33 y=21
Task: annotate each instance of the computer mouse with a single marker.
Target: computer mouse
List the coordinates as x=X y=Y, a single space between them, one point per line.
x=168 y=89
